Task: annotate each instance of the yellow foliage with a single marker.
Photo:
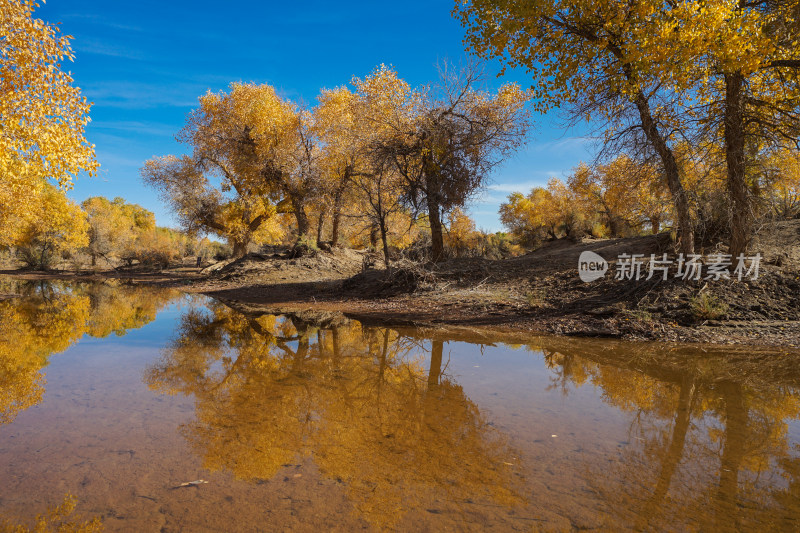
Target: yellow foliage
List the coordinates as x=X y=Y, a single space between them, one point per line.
x=652 y=72
x=246 y=140
x=782 y=183
x=115 y=226
x=624 y=193
x=274 y=390
x=51 y=317
x=44 y=117
x=689 y=415
x=620 y=197
x=58 y=519
x=32 y=329
x=576 y=51
x=461 y=235
x=58 y=225
x=544 y=214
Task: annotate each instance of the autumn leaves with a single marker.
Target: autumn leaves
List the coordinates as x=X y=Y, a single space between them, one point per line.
x=375 y=155
x=671 y=85
x=43 y=121
x=719 y=76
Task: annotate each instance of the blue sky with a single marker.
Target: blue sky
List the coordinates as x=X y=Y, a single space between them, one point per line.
x=144 y=64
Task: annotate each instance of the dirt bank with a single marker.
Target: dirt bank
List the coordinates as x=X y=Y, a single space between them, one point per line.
x=540 y=292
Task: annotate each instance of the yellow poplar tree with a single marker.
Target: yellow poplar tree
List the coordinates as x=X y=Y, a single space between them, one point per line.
x=602 y=58
x=382 y=101
x=782 y=183
x=743 y=58
x=335 y=121
x=59 y=226
x=461 y=234
x=114 y=226
x=624 y=193
x=237 y=138
x=458 y=134
x=43 y=116
x=647 y=69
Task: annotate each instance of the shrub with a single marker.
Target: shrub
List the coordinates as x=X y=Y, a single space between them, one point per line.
x=497 y=246
x=708 y=307
x=36 y=256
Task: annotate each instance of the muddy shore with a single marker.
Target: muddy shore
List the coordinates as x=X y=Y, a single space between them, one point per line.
x=538 y=293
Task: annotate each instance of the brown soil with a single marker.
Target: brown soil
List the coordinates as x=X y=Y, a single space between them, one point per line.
x=536 y=293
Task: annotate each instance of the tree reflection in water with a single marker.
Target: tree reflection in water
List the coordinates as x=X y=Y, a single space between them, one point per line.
x=51 y=316
x=373 y=408
x=358 y=401
x=712 y=439
x=709 y=447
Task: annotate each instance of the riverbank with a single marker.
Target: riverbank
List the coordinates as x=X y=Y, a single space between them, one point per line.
x=538 y=293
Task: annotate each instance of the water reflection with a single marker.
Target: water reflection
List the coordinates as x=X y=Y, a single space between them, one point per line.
x=401 y=422
x=51 y=316
x=709 y=444
x=273 y=390
x=707 y=447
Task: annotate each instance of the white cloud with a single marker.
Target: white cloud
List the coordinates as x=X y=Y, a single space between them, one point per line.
x=104 y=48
x=139 y=95
x=99 y=20
x=562 y=147
x=148 y=128
x=516 y=187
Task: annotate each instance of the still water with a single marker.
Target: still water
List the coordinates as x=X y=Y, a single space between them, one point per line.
x=119 y=395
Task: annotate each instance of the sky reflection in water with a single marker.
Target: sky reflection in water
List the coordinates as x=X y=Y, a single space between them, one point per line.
x=311 y=421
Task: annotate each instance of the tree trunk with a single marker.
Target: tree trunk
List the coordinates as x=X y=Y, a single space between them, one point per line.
x=373 y=235
x=336 y=344
x=42 y=255
x=674 y=453
x=671 y=171
x=239 y=249
x=320 y=225
x=432 y=198
x=739 y=210
x=299 y=359
x=733 y=455
x=656 y=224
x=384 y=362
x=302 y=219
x=437 y=238
x=336 y=216
x=435 y=370
x=613 y=226
x=679 y=197
x=385 y=241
